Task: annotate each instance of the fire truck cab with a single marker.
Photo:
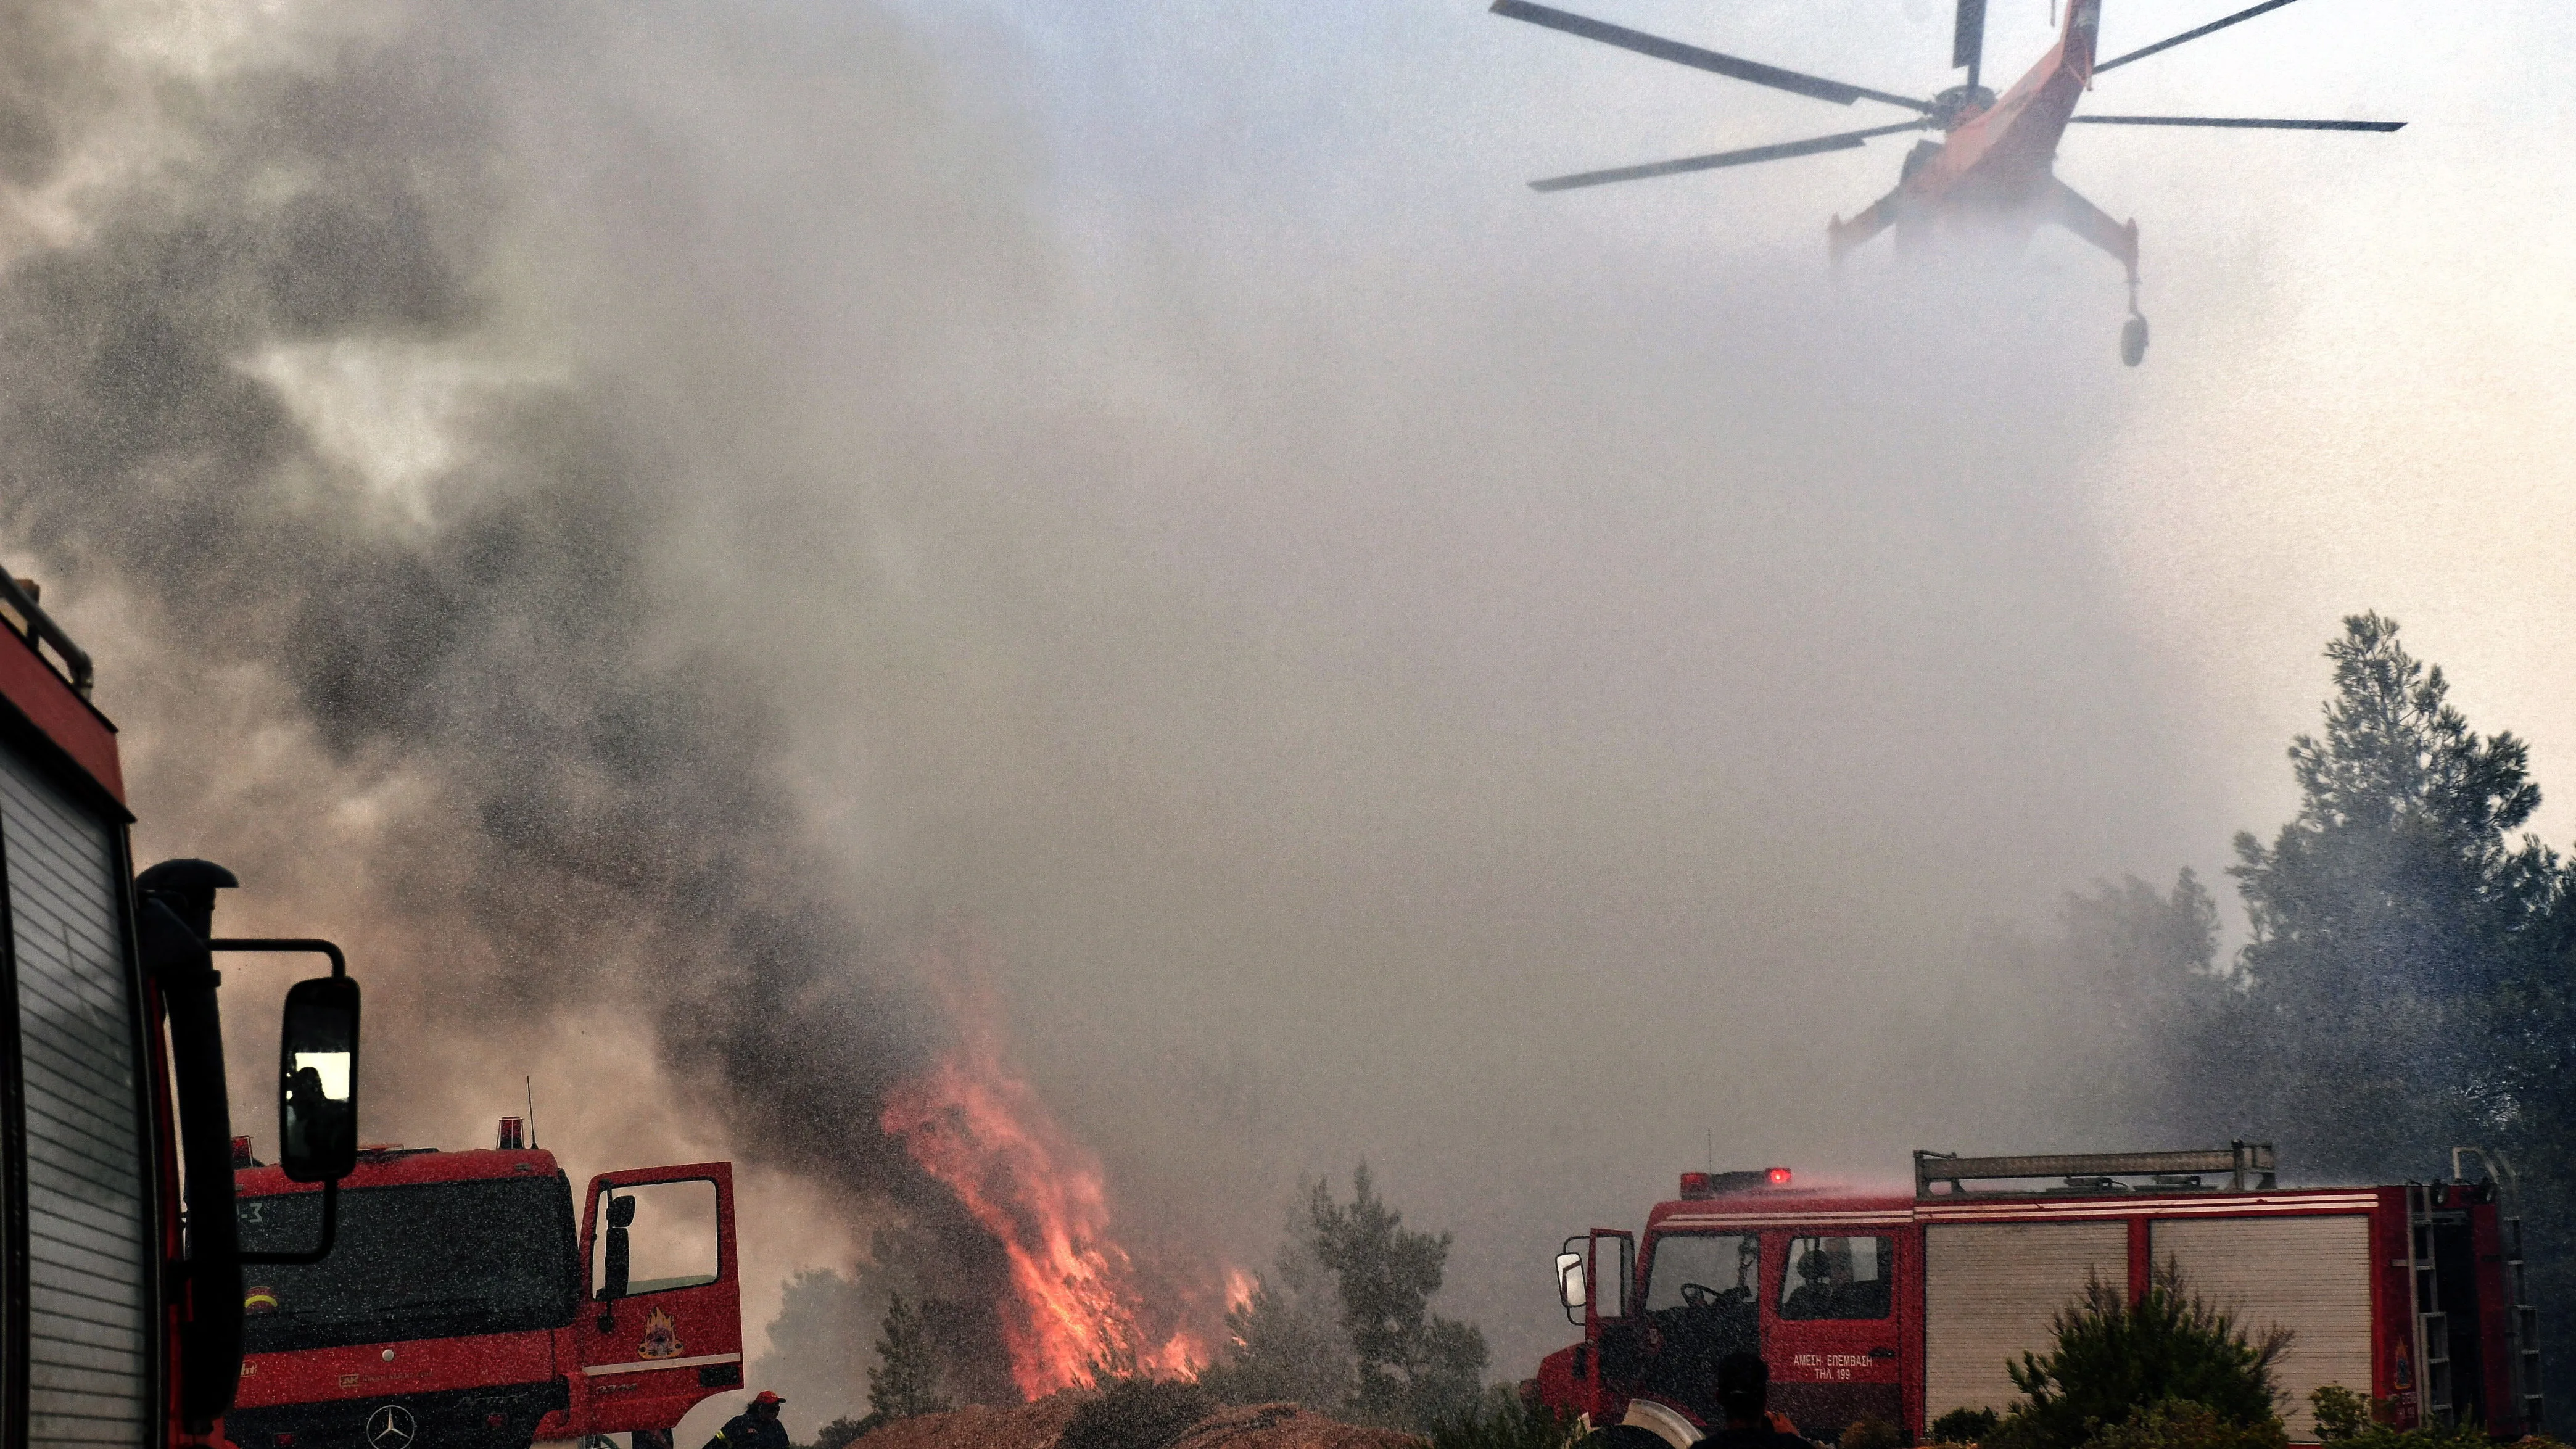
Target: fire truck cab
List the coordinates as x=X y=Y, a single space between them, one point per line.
x=1900 y=1308
x=468 y=1307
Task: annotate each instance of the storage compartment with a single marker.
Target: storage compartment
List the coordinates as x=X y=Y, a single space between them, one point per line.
x=2309 y=1274
x=1989 y=1291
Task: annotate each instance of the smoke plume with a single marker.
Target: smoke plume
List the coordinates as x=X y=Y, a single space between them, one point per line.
x=647 y=521
x=586 y=802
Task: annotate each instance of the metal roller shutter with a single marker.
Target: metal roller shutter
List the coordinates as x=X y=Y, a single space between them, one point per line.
x=2310 y=1274
x=86 y=1207
x=1989 y=1290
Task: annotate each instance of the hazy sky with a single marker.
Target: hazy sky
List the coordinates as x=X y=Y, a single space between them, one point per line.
x=2349 y=404
x=1521 y=688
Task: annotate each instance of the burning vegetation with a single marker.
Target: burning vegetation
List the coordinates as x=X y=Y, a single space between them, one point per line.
x=1338 y=1326
x=1076 y=1311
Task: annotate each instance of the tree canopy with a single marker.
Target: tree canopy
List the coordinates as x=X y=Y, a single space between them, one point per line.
x=2405 y=984
x=2392 y=917
x=906 y=1380
x=1345 y=1325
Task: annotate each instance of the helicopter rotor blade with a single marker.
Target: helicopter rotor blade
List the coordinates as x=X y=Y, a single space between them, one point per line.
x=2236 y=123
x=1968 y=40
x=1707 y=60
x=1783 y=150
x=2168 y=44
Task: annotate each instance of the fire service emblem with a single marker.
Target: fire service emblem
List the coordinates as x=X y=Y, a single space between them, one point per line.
x=391 y=1427
x=661 y=1336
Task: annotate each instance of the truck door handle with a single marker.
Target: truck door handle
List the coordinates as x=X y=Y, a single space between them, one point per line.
x=1882 y=1352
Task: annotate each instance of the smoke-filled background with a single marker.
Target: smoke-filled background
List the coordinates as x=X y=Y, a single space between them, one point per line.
x=695 y=540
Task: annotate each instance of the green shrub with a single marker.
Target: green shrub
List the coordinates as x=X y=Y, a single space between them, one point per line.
x=2352 y=1421
x=1871 y=1433
x=838 y=1433
x=2342 y=1414
x=2114 y=1361
x=1138 y=1413
x=1964 y=1426
x=1499 y=1419
x=2183 y=1424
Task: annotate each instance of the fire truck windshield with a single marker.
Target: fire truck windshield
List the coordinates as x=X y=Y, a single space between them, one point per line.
x=1702 y=1269
x=426 y=1260
x=1700 y=1291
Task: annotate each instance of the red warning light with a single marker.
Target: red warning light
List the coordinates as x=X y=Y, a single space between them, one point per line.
x=1778 y=1176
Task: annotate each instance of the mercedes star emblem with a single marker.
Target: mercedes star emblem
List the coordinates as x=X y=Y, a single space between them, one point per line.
x=391 y=1427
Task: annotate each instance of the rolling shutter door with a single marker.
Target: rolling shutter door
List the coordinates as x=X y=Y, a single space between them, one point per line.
x=1989 y=1290
x=86 y=1209
x=2308 y=1274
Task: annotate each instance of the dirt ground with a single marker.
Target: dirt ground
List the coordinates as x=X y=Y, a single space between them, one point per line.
x=1037 y=1426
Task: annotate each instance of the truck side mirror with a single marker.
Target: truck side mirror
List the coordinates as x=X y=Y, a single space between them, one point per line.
x=317 y=1097
x=1569 y=1280
x=621 y=1215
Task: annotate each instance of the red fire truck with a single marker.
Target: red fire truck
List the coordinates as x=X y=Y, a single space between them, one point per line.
x=442 y=1292
x=120 y=1274
x=460 y=1309
x=1904 y=1307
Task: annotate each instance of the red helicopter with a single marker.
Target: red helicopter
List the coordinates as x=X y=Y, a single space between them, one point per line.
x=1993 y=163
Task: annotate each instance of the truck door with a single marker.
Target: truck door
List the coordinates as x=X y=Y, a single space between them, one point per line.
x=662 y=1327
x=1830 y=1328
x=1703 y=1301
x=1611 y=1324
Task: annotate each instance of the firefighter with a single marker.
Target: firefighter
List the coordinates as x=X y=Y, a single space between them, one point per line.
x=756 y=1427
x=1743 y=1393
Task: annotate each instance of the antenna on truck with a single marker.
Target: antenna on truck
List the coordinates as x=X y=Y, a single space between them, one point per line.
x=531 y=1082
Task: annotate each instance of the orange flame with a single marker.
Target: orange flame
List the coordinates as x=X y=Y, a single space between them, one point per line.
x=978 y=1127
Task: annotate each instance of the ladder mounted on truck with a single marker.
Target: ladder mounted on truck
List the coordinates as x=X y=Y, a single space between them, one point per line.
x=2424 y=1299
x=2522 y=1317
x=2247 y=1166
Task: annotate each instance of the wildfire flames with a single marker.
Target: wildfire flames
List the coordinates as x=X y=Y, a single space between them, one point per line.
x=977 y=1127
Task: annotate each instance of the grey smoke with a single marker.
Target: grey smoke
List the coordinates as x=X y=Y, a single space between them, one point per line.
x=600 y=794
x=1392 y=681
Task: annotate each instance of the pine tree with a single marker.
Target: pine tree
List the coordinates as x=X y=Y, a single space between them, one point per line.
x=905 y=1382
x=2149 y=992
x=1413 y=1367
x=2389 y=917
x=1285 y=1343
